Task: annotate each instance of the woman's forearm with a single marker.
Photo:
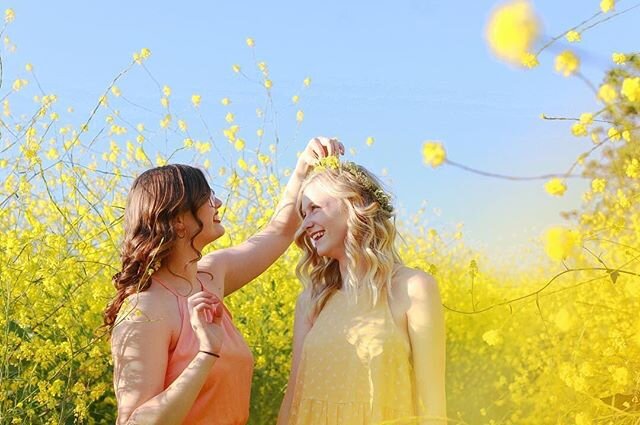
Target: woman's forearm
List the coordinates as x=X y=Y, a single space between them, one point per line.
x=172 y=405
x=286 y=220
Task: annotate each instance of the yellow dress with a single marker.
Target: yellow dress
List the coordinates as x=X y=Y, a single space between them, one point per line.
x=355 y=367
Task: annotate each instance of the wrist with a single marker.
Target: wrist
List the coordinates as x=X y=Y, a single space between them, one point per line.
x=211 y=353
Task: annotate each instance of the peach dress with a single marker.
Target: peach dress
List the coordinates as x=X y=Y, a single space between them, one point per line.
x=355 y=367
x=224 y=397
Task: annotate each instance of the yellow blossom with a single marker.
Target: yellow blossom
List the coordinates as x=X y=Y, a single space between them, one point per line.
x=579 y=130
x=492 y=337
x=160 y=160
x=573 y=36
x=598 y=185
x=239 y=144
x=115 y=91
x=370 y=141
x=614 y=134
x=567 y=63
x=28 y=67
x=631 y=89
x=250 y=42
x=203 y=147
x=196 y=99
x=555 y=187
x=607 y=93
x=236 y=68
x=187 y=143
x=182 y=125
x=9 y=16
x=607 y=5
x=259 y=132
x=19 y=84
x=166 y=91
x=242 y=164
x=229 y=117
x=295 y=98
x=512 y=30
x=433 y=153
x=225 y=101
x=619 y=58
x=563 y=320
x=268 y=84
x=52 y=153
x=164 y=102
x=307 y=82
x=164 y=122
x=529 y=60
x=632 y=168
x=206 y=163
x=586 y=118
x=299 y=116
x=560 y=242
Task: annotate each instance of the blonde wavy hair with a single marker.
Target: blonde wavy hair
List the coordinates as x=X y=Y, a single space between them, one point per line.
x=369 y=244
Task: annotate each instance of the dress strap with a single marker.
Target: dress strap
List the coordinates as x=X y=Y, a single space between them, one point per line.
x=167 y=287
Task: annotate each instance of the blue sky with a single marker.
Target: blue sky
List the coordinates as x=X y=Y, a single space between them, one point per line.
x=402 y=72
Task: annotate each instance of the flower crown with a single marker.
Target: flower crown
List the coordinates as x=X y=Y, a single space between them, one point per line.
x=377 y=193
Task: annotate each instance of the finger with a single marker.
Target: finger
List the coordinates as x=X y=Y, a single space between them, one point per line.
x=317 y=148
x=195 y=301
x=217 y=315
x=202 y=295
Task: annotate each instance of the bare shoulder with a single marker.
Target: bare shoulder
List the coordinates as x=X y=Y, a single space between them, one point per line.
x=414 y=284
x=154 y=309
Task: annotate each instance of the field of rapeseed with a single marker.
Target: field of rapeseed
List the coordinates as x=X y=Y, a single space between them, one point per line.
x=558 y=344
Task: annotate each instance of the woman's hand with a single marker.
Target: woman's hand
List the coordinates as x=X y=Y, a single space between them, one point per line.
x=317 y=148
x=205 y=315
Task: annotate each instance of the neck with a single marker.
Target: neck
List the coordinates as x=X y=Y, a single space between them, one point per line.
x=178 y=268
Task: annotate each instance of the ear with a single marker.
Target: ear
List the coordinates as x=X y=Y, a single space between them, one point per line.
x=179 y=224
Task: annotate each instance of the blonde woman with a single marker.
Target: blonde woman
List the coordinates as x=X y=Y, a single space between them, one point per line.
x=369 y=335
x=177 y=356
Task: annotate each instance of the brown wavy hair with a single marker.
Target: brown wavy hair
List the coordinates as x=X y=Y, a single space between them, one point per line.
x=156 y=198
x=369 y=244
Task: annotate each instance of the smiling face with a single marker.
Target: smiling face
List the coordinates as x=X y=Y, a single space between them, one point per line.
x=324 y=221
x=212 y=229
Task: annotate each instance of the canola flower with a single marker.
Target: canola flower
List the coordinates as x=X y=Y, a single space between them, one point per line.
x=537 y=360
x=567 y=63
x=560 y=242
x=555 y=187
x=433 y=153
x=512 y=31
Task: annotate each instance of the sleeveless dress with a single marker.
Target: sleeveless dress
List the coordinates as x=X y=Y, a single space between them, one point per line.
x=224 y=397
x=355 y=367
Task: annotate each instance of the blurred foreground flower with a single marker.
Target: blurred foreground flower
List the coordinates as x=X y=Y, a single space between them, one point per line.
x=512 y=30
x=560 y=243
x=433 y=154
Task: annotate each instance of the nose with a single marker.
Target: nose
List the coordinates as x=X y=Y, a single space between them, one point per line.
x=217 y=202
x=307 y=224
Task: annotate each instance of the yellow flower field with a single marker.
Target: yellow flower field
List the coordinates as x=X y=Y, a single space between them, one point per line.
x=556 y=344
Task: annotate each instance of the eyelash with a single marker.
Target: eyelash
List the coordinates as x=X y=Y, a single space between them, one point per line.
x=312 y=207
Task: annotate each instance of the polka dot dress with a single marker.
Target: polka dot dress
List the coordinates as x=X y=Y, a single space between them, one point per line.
x=355 y=367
